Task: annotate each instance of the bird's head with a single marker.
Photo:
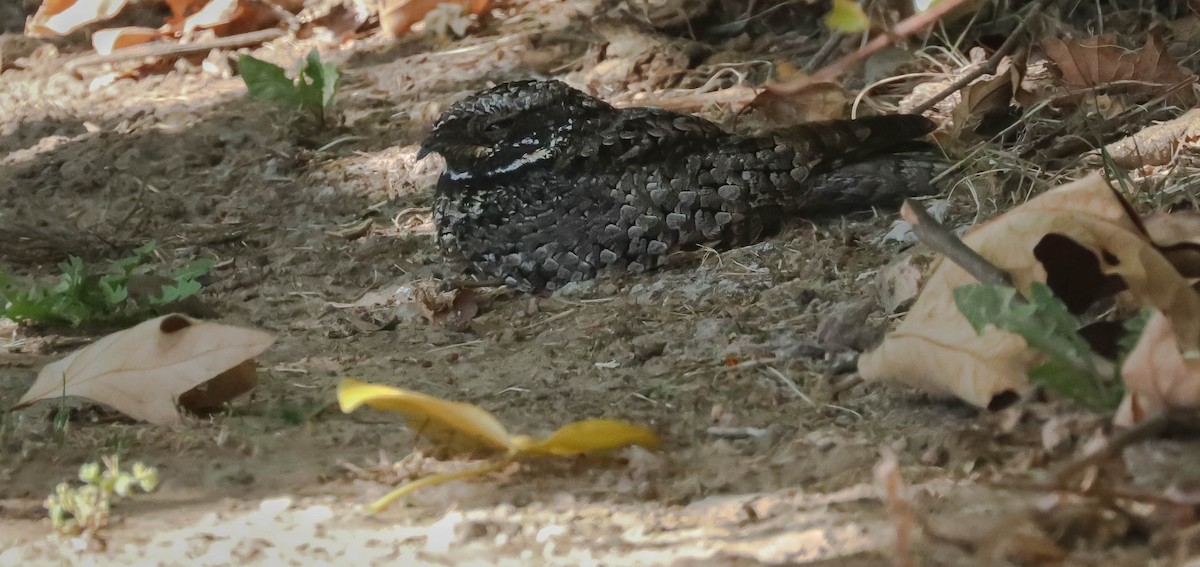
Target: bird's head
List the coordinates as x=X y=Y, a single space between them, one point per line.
x=509 y=127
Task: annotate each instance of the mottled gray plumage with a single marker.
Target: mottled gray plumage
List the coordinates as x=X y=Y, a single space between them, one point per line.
x=545 y=185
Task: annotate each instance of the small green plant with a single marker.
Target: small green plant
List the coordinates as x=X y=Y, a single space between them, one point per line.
x=84 y=510
x=1071 y=368
x=309 y=95
x=62 y=417
x=84 y=299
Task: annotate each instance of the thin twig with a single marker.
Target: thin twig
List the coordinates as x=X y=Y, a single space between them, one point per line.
x=548 y=320
x=845 y=384
x=460 y=284
x=1091 y=492
x=162 y=49
x=1150 y=428
x=941 y=240
x=989 y=67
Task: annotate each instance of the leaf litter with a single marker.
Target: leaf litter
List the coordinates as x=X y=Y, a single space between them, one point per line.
x=523 y=364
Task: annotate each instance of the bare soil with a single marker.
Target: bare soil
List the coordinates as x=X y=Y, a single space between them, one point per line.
x=93 y=167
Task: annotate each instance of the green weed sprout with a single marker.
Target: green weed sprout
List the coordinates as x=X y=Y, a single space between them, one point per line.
x=310 y=95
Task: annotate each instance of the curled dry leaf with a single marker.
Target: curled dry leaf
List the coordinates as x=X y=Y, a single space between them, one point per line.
x=899 y=283
x=1098 y=61
x=454 y=309
x=107 y=40
x=987 y=96
x=143 y=370
x=1177 y=235
x=1078 y=238
x=61 y=17
x=445 y=421
x=1158 y=376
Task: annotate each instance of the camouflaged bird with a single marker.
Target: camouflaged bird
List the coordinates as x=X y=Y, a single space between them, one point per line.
x=546 y=185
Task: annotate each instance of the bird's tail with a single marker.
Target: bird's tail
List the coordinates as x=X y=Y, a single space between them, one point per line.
x=866 y=162
x=836 y=141
x=882 y=180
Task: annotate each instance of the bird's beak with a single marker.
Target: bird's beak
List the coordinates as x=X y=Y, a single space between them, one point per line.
x=424 y=151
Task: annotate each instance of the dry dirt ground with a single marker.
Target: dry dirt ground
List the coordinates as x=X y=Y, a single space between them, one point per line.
x=95 y=167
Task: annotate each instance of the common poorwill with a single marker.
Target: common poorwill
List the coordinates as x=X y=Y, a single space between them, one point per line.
x=545 y=184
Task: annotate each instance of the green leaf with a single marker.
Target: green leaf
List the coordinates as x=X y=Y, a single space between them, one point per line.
x=194 y=270
x=1044 y=322
x=1068 y=381
x=266 y=81
x=115 y=289
x=847 y=16
x=1133 y=331
x=318 y=84
x=311 y=93
x=82 y=299
x=1071 y=368
x=176 y=292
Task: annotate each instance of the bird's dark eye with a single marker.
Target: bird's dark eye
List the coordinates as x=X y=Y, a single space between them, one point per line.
x=498 y=126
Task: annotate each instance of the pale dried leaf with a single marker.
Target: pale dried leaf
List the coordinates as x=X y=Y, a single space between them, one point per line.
x=61 y=17
x=900 y=281
x=935 y=348
x=397 y=17
x=1156 y=144
x=214 y=13
x=447 y=20
x=107 y=40
x=342 y=20
x=141 y=371
x=1177 y=236
x=1158 y=376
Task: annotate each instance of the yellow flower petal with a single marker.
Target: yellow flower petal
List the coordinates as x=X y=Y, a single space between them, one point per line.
x=435 y=418
x=588 y=436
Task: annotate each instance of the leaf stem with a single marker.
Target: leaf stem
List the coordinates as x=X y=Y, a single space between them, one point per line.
x=434 y=480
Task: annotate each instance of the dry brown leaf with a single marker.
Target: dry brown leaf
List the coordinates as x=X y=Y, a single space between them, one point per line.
x=1098 y=61
x=141 y=371
x=397 y=17
x=987 y=95
x=455 y=309
x=1081 y=241
x=800 y=104
x=105 y=41
x=61 y=17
